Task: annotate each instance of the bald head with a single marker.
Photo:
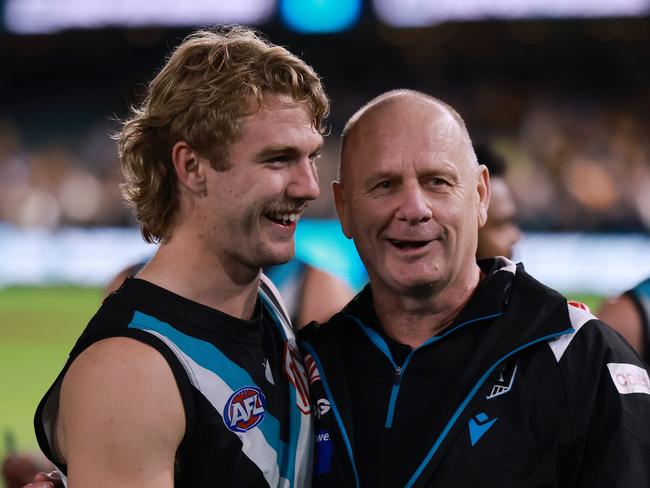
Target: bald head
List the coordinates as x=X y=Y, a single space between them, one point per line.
x=379 y=116
x=412 y=196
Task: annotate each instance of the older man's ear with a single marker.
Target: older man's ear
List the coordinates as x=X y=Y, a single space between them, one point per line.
x=483 y=190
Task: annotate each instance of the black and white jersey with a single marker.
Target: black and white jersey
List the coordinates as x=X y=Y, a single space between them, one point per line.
x=242 y=384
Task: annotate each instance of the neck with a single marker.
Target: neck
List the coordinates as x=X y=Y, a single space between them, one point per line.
x=184 y=267
x=414 y=317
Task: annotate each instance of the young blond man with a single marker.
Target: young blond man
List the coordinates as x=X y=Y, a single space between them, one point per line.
x=188 y=375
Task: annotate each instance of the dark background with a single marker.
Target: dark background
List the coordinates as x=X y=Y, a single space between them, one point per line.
x=565 y=102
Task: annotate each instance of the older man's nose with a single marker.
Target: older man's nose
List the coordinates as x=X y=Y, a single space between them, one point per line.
x=414 y=205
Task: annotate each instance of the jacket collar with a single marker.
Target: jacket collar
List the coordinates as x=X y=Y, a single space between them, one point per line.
x=490 y=298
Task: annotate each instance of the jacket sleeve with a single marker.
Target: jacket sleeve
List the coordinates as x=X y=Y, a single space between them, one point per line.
x=609 y=396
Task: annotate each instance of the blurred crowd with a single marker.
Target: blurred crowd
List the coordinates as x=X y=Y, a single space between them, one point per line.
x=564 y=103
x=582 y=167
x=572 y=166
x=57 y=184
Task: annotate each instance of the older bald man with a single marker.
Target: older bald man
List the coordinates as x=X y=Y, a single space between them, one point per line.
x=444 y=372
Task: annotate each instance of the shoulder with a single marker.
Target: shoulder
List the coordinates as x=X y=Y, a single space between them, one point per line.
x=335 y=327
x=115 y=313
x=598 y=367
x=591 y=338
x=119 y=386
x=600 y=373
x=124 y=371
x=113 y=354
x=121 y=418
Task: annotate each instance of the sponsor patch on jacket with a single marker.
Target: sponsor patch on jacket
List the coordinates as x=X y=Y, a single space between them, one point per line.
x=244 y=409
x=629 y=378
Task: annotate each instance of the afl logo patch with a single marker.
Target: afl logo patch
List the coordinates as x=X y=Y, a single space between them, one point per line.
x=244 y=409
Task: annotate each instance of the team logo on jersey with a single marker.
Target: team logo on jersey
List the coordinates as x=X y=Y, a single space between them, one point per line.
x=504 y=383
x=297 y=375
x=244 y=409
x=312 y=369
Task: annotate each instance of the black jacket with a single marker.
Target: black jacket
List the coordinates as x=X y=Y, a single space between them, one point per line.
x=548 y=396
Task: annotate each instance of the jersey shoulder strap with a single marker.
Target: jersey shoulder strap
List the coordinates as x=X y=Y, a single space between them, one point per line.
x=272 y=299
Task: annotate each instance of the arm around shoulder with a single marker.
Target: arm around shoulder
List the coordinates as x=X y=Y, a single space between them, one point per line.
x=121 y=417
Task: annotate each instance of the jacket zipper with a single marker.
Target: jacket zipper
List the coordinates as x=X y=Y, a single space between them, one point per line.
x=393 y=397
x=399 y=373
x=377 y=340
x=463 y=405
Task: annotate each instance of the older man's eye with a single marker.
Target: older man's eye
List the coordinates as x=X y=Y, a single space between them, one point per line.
x=384 y=185
x=439 y=182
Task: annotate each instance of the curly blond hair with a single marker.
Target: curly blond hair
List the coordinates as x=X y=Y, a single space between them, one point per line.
x=198 y=97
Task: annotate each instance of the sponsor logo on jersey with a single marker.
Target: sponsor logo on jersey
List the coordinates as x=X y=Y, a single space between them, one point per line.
x=312 y=369
x=505 y=381
x=478 y=426
x=629 y=378
x=297 y=375
x=321 y=407
x=244 y=409
x=324 y=449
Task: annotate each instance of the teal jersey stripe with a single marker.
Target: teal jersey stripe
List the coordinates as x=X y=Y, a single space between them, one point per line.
x=211 y=358
x=295 y=415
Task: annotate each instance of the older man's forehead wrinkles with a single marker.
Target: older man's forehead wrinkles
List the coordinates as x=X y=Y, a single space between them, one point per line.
x=437 y=167
x=382 y=173
x=453 y=149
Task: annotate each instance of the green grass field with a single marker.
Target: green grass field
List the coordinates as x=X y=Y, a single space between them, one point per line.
x=38 y=326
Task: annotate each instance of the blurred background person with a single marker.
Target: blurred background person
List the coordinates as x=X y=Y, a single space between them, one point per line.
x=501 y=232
x=629 y=314
x=20 y=469
x=309 y=293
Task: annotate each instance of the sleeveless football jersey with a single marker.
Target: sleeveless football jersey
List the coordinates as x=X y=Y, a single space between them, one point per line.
x=242 y=384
